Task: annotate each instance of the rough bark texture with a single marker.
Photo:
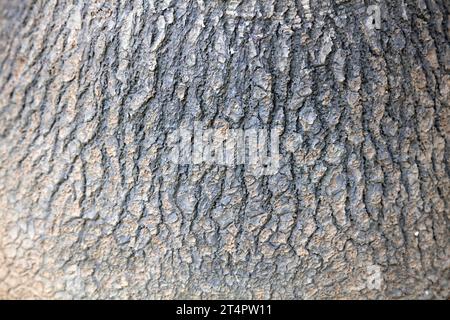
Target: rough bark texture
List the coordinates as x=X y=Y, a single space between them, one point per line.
x=91 y=208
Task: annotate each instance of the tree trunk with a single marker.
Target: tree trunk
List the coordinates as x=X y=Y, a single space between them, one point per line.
x=92 y=207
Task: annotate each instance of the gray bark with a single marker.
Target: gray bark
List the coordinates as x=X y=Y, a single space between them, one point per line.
x=90 y=207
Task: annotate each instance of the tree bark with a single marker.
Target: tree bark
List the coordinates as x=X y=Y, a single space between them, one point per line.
x=91 y=207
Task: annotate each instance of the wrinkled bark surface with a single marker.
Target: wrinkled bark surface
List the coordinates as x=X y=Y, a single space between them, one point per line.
x=90 y=206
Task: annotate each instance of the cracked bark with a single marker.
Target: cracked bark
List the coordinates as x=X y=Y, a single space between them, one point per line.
x=91 y=208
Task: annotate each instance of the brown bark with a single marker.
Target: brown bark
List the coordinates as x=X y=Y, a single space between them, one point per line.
x=90 y=206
